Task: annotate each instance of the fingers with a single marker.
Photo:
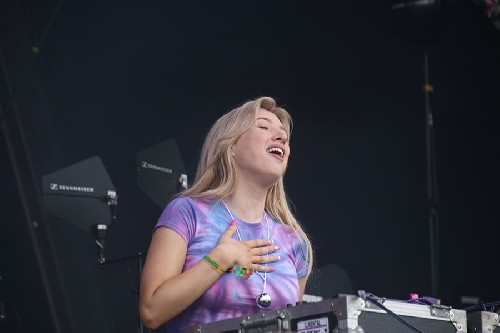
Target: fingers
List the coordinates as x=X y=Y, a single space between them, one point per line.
x=257 y=242
x=260 y=258
x=260 y=255
x=253 y=268
x=261 y=268
x=264 y=250
x=229 y=231
x=253 y=254
x=264 y=259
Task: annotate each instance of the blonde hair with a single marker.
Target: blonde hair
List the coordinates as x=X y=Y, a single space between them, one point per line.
x=216 y=175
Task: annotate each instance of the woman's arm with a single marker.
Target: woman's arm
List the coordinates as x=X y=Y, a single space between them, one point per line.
x=302 y=285
x=166 y=290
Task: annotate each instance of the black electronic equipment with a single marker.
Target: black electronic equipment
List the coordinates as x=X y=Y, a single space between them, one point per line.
x=483 y=322
x=346 y=313
x=82 y=194
x=161 y=172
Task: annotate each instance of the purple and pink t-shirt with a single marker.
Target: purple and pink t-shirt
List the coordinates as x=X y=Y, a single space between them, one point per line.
x=200 y=222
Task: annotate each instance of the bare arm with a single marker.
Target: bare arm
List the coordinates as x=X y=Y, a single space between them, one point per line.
x=162 y=281
x=166 y=290
x=302 y=285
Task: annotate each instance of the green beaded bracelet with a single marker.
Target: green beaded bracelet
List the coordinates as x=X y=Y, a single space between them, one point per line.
x=214 y=265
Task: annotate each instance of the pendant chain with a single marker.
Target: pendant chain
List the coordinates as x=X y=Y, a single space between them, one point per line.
x=264 y=277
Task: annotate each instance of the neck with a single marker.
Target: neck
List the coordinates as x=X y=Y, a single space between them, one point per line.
x=247 y=203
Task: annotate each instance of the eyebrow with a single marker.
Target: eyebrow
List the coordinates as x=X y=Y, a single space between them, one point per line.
x=269 y=121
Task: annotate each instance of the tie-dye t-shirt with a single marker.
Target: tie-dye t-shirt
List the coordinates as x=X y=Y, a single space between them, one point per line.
x=200 y=223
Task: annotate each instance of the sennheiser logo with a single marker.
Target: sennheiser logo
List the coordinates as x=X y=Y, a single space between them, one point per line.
x=56 y=187
x=147 y=165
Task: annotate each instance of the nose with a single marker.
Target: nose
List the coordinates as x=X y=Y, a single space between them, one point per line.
x=280 y=135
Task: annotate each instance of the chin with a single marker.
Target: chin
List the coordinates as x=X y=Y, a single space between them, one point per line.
x=271 y=179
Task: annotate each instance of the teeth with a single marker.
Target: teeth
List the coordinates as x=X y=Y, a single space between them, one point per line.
x=276 y=149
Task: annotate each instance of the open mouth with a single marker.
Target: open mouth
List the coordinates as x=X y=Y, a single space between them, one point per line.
x=276 y=151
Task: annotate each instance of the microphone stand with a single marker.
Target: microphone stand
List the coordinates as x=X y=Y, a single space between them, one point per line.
x=139 y=256
x=432 y=192
x=101 y=229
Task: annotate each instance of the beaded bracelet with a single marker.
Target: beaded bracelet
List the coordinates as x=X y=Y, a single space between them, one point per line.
x=241 y=272
x=214 y=265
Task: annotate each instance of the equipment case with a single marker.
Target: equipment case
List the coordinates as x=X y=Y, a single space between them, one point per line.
x=483 y=322
x=345 y=314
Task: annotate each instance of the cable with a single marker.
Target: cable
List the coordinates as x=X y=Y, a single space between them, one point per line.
x=420 y=300
x=482 y=306
x=371 y=298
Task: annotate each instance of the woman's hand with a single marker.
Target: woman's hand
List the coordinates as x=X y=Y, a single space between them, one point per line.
x=250 y=254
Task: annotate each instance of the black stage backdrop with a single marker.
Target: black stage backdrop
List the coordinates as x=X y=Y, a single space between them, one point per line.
x=111 y=78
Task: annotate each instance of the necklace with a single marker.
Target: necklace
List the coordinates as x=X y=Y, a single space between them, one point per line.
x=264 y=299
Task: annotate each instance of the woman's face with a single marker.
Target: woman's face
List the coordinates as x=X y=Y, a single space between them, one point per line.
x=261 y=153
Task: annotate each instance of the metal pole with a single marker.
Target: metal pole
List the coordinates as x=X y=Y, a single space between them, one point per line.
x=141 y=326
x=432 y=193
x=23 y=195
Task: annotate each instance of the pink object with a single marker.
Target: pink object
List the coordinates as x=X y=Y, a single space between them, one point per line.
x=413 y=296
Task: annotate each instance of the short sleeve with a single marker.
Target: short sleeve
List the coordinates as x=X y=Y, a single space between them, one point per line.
x=301 y=257
x=179 y=216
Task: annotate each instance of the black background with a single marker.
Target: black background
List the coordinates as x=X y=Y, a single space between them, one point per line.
x=111 y=78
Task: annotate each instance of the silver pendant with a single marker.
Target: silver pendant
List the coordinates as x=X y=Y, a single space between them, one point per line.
x=263 y=300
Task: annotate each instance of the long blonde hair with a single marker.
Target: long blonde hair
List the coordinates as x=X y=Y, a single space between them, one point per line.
x=217 y=173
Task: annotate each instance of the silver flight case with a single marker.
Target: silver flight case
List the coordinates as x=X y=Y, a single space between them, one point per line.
x=346 y=314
